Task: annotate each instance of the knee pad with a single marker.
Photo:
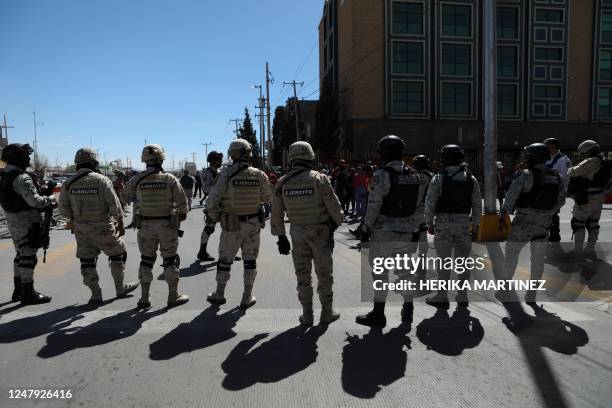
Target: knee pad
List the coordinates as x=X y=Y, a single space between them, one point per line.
x=147 y=261
x=28 y=262
x=174 y=260
x=252 y=264
x=118 y=258
x=88 y=263
x=576 y=224
x=224 y=266
x=592 y=225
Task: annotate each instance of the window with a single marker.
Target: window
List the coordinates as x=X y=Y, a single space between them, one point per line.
x=556 y=73
x=547 y=92
x=554 y=109
x=557 y=35
x=606 y=27
x=407 y=97
x=456 y=99
x=407 y=18
x=605 y=65
x=507 y=23
x=456 y=21
x=549 y=15
x=539 y=72
x=549 y=54
x=604 y=103
x=539 y=109
x=506 y=100
x=541 y=34
x=407 y=58
x=456 y=59
x=507 y=62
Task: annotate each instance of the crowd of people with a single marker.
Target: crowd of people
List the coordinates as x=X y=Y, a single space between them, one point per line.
x=397 y=204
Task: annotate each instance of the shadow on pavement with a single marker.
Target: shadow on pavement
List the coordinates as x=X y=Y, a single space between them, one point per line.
x=450 y=335
x=207 y=329
x=596 y=274
x=284 y=355
x=374 y=360
x=106 y=330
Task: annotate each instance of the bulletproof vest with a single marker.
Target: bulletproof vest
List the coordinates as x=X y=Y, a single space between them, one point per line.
x=401 y=201
x=544 y=193
x=187 y=182
x=9 y=199
x=302 y=199
x=86 y=196
x=242 y=192
x=601 y=178
x=154 y=193
x=456 y=197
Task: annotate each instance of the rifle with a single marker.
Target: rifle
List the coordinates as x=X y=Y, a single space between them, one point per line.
x=44 y=233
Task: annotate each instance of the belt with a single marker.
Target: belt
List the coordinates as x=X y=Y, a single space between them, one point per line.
x=144 y=218
x=247 y=217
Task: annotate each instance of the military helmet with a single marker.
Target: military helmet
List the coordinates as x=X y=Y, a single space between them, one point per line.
x=536 y=153
x=421 y=162
x=390 y=148
x=552 y=142
x=452 y=155
x=17 y=154
x=214 y=155
x=153 y=152
x=588 y=148
x=301 y=151
x=86 y=154
x=239 y=148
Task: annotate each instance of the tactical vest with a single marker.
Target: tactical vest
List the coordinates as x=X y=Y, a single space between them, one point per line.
x=154 y=193
x=9 y=199
x=401 y=201
x=544 y=193
x=242 y=193
x=601 y=178
x=456 y=197
x=302 y=199
x=86 y=196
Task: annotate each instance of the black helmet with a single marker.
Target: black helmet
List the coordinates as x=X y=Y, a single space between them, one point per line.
x=214 y=155
x=551 y=141
x=452 y=155
x=390 y=148
x=17 y=154
x=536 y=153
x=421 y=162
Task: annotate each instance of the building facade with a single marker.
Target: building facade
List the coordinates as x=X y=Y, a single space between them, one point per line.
x=414 y=68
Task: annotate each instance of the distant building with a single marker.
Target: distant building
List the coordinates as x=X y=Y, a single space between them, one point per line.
x=414 y=68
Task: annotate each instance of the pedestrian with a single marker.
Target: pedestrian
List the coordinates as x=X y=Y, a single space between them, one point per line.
x=500 y=183
x=452 y=204
x=188 y=182
x=209 y=178
x=236 y=203
x=561 y=163
x=390 y=222
x=534 y=197
x=161 y=208
x=422 y=164
x=588 y=181
x=314 y=212
x=273 y=180
x=360 y=192
x=198 y=186
x=89 y=201
x=22 y=200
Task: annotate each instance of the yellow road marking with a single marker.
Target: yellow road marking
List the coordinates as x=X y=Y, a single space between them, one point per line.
x=59 y=261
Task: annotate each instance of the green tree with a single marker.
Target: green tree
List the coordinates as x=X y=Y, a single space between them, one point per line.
x=326 y=121
x=247 y=133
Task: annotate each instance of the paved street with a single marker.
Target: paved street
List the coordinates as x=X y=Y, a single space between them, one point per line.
x=195 y=355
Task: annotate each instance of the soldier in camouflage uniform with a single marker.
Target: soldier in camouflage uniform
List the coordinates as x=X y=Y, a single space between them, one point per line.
x=588 y=181
x=314 y=212
x=534 y=196
x=209 y=178
x=89 y=201
x=161 y=208
x=390 y=221
x=235 y=203
x=453 y=195
x=23 y=200
x=423 y=165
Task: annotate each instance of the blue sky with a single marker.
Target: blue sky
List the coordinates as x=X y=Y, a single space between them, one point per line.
x=117 y=72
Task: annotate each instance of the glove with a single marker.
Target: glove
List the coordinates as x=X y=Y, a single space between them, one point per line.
x=209 y=229
x=120 y=230
x=365 y=236
x=283 y=245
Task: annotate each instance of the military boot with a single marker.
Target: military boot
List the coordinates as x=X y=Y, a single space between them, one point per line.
x=440 y=300
x=174 y=298
x=407 y=312
x=17 y=291
x=376 y=318
x=122 y=289
x=248 y=299
x=217 y=297
x=462 y=299
x=144 y=301
x=307 y=317
x=96 y=294
x=203 y=255
x=31 y=297
x=530 y=297
x=328 y=314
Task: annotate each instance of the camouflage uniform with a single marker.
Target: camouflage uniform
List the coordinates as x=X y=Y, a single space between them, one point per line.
x=235 y=202
x=310 y=203
x=89 y=201
x=423 y=245
x=159 y=195
x=21 y=223
x=209 y=178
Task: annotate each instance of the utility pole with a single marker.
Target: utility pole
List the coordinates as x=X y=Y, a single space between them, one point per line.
x=490 y=108
x=236 y=123
x=6 y=128
x=270 y=140
x=35 y=141
x=296 y=107
x=262 y=137
x=206 y=144
x=193 y=155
